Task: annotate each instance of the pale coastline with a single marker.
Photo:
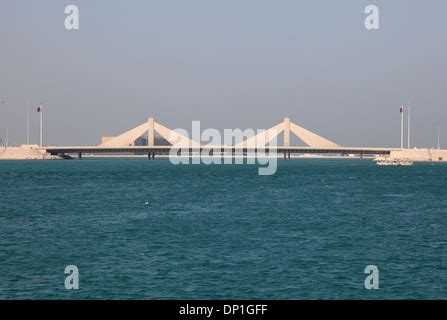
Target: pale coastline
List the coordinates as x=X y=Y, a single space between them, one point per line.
x=25 y=153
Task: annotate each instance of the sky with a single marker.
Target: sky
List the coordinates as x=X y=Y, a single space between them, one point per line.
x=229 y=64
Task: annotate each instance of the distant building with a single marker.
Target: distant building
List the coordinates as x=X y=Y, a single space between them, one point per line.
x=158 y=141
x=142 y=141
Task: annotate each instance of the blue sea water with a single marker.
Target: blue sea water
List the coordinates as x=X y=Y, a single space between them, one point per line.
x=140 y=229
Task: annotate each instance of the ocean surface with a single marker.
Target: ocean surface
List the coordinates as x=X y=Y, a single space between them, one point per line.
x=140 y=229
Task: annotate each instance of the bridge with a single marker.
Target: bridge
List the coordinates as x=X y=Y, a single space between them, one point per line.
x=152 y=138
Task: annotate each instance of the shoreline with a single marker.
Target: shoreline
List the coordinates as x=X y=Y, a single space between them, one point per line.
x=26 y=152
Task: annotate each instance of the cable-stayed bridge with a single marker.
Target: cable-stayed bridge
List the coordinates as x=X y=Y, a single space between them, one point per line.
x=265 y=142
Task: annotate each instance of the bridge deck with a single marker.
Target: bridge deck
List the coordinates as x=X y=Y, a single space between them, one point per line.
x=166 y=149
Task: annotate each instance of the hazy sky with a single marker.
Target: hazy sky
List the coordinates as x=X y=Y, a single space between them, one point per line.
x=230 y=64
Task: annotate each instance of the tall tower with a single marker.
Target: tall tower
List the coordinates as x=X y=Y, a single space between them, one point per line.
x=286 y=132
x=150 y=132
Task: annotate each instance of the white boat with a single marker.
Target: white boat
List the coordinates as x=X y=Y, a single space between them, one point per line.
x=394 y=162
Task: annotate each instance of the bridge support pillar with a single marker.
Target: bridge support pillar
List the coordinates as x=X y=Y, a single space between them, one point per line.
x=150 y=132
x=286 y=132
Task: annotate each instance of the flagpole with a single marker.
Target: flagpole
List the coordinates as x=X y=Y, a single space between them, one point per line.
x=27 y=122
x=402 y=128
x=41 y=112
x=409 y=124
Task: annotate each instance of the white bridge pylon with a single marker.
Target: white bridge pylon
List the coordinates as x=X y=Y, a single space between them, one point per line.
x=150 y=127
x=262 y=139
